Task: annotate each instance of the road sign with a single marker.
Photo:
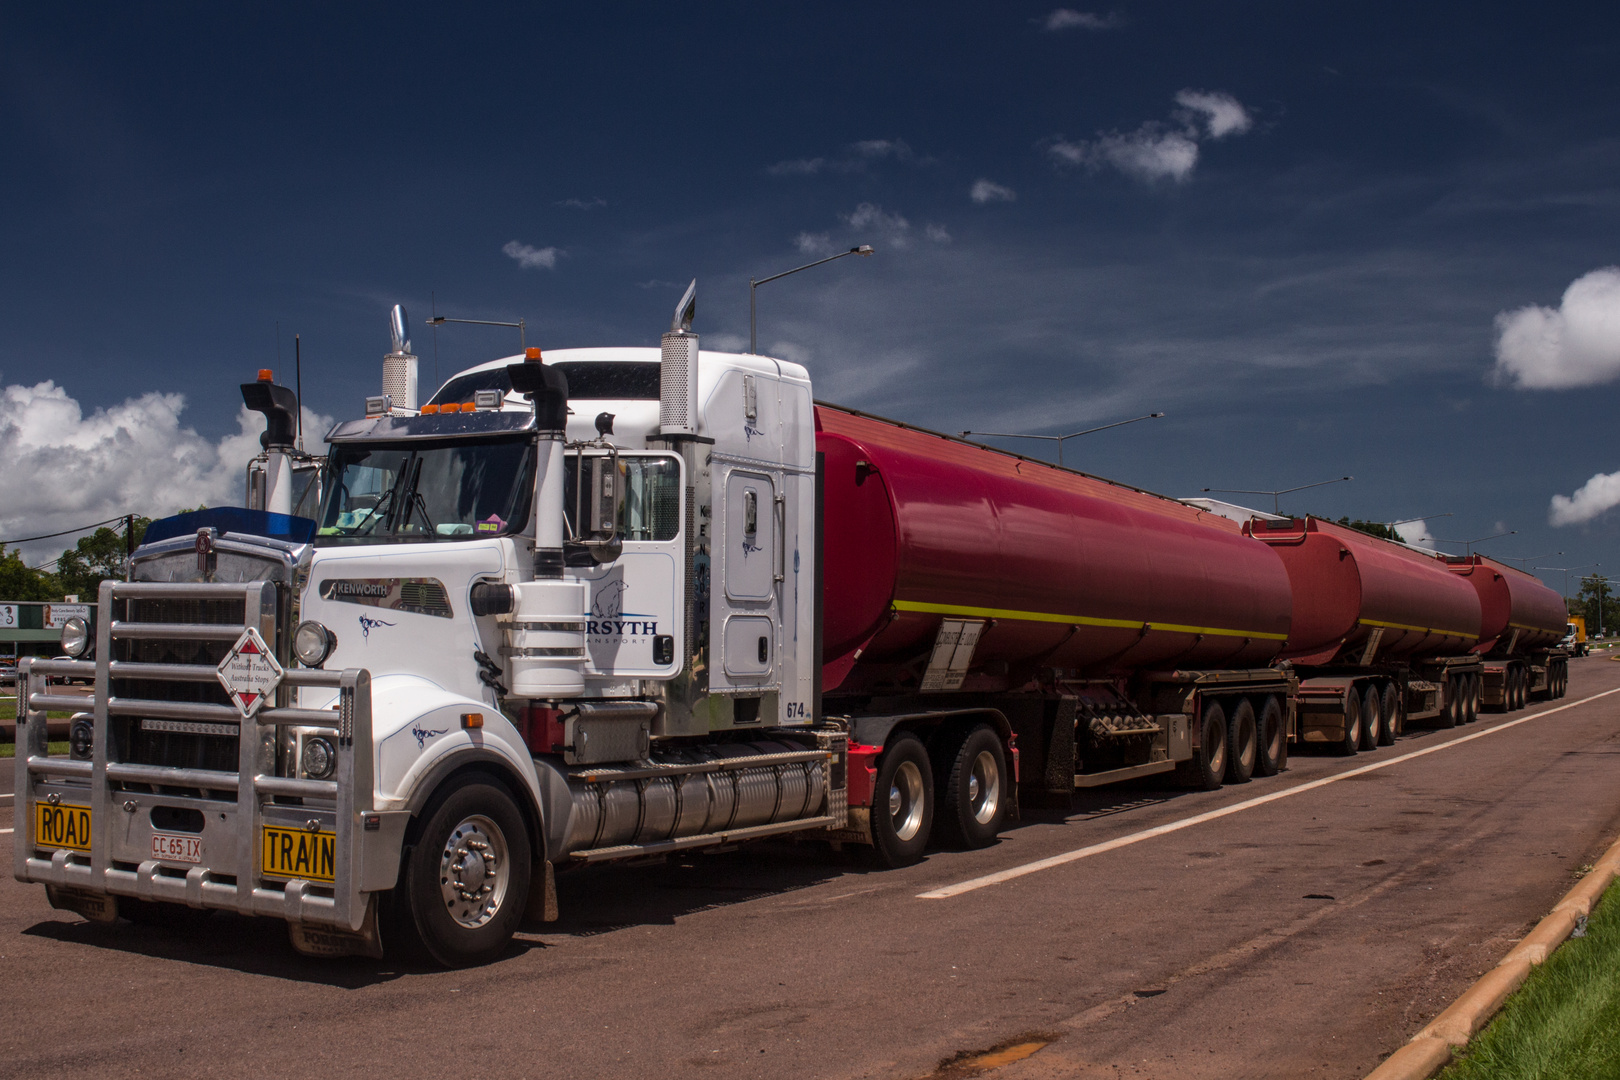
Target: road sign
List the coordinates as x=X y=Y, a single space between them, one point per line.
x=249 y=672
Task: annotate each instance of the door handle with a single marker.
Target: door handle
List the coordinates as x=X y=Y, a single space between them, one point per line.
x=780 y=511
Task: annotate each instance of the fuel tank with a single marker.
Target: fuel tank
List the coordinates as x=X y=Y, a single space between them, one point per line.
x=1063 y=570
x=1517 y=612
x=1349 y=586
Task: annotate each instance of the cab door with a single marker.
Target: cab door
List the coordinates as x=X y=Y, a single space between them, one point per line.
x=752 y=572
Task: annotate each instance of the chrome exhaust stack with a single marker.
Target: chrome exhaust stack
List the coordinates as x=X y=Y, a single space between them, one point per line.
x=399 y=366
x=678 y=370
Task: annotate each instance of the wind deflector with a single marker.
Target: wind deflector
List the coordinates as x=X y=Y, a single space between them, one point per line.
x=233 y=519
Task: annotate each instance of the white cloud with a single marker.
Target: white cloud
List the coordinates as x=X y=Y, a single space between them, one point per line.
x=64 y=469
x=937 y=234
x=798 y=167
x=1591 y=499
x=529 y=257
x=872 y=216
x=1149 y=153
x=1221 y=113
x=1575 y=344
x=1069 y=19
x=595 y=202
x=724 y=342
x=813 y=243
x=1416 y=533
x=883 y=148
x=986 y=191
x=1160 y=151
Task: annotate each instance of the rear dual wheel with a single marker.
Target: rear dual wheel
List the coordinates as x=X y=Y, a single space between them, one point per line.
x=1272 y=740
x=1372 y=719
x=973 y=790
x=1350 y=738
x=902 y=803
x=1392 y=715
x=1242 y=744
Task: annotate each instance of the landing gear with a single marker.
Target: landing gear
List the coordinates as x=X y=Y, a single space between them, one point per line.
x=466 y=880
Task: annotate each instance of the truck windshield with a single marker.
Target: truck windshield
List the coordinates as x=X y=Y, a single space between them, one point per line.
x=427 y=491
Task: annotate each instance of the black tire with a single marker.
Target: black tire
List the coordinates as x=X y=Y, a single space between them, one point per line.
x=1272 y=741
x=902 y=803
x=1392 y=715
x=973 y=791
x=1242 y=744
x=1207 y=768
x=470 y=834
x=1471 y=703
x=1449 y=690
x=1350 y=740
x=1372 y=719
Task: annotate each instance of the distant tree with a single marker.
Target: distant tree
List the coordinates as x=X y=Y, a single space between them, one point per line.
x=94 y=559
x=1373 y=528
x=19 y=582
x=1597 y=590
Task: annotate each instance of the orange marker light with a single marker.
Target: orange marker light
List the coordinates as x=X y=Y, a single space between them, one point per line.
x=429 y=410
x=471 y=720
x=532 y=353
x=265 y=375
x=467 y=406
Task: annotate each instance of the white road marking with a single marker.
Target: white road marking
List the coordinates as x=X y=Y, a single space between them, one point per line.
x=1198 y=819
x=5 y=831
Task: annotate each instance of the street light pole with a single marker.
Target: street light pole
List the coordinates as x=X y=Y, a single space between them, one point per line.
x=1276 y=496
x=753 y=339
x=1566 y=570
x=1059 y=439
x=1478 y=540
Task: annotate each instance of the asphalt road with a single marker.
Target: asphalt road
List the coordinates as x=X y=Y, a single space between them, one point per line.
x=1308 y=935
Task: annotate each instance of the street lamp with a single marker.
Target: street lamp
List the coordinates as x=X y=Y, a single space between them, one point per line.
x=1478 y=540
x=753 y=341
x=1060 y=438
x=440 y=320
x=1598 y=583
x=1276 y=496
x=1566 y=570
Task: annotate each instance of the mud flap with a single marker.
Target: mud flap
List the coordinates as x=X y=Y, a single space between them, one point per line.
x=313 y=939
x=97 y=907
x=543 y=901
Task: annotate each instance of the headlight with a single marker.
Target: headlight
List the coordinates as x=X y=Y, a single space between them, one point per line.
x=319 y=758
x=313 y=643
x=75 y=637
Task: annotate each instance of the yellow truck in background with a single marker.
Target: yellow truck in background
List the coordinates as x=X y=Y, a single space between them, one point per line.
x=1575 y=639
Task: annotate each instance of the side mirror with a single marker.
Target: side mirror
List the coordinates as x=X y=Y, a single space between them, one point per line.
x=599 y=505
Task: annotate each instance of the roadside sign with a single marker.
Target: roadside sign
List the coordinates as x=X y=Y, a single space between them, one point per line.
x=8 y=616
x=249 y=672
x=57 y=614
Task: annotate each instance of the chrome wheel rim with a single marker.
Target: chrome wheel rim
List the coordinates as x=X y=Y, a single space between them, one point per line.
x=906 y=801
x=474 y=871
x=984 y=788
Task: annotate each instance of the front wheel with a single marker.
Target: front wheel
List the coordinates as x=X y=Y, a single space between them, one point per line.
x=973 y=802
x=466 y=881
x=902 y=803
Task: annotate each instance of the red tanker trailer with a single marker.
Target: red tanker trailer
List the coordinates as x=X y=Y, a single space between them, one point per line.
x=1382 y=634
x=1116 y=633
x=1522 y=622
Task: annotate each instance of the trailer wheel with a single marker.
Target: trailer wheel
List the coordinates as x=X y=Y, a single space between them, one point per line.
x=1392 y=715
x=1208 y=767
x=1271 y=737
x=1242 y=744
x=973 y=802
x=902 y=803
x=1515 y=689
x=1350 y=739
x=1372 y=719
x=466 y=880
x=1471 y=702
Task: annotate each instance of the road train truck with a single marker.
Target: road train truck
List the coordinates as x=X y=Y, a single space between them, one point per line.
x=612 y=604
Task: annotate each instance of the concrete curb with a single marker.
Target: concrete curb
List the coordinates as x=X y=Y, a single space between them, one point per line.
x=1430 y=1050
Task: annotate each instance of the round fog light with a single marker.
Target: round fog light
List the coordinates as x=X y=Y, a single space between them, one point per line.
x=75 y=637
x=313 y=643
x=82 y=738
x=319 y=758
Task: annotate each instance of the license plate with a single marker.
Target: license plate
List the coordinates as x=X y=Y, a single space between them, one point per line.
x=299 y=853
x=62 y=827
x=177 y=847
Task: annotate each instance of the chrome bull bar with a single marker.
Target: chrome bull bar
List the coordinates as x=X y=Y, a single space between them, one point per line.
x=231 y=871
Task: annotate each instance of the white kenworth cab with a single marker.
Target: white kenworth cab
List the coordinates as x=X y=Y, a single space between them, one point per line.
x=562 y=613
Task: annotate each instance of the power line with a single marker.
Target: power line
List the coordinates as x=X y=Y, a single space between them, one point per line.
x=69 y=532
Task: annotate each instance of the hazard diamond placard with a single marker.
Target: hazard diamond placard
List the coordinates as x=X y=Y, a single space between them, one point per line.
x=249 y=672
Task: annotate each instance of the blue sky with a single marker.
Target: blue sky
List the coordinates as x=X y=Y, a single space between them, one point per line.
x=1324 y=242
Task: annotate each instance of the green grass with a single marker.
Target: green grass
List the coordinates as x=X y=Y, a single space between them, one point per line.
x=1563 y=1022
x=9 y=750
